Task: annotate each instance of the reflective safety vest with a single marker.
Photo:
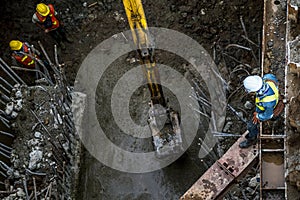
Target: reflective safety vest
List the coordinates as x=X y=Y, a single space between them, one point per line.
x=24 y=59
x=50 y=21
x=270 y=98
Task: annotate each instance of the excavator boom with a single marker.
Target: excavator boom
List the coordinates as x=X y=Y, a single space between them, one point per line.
x=167 y=140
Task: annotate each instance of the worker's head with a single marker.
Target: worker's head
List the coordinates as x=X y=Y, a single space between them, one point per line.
x=253 y=83
x=15 y=45
x=42 y=9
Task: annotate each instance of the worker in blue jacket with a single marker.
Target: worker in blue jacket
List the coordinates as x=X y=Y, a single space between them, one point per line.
x=267 y=97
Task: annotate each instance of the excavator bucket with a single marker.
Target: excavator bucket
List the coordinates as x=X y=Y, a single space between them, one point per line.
x=166 y=131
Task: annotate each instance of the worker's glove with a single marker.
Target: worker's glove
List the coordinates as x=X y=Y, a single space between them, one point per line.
x=255 y=120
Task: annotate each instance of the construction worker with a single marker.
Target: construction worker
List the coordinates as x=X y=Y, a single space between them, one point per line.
x=266 y=100
x=21 y=53
x=46 y=18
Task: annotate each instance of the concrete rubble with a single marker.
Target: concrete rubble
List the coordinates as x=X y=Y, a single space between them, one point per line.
x=44 y=154
x=45 y=146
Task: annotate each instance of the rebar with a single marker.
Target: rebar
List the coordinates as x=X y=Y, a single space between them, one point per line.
x=237 y=114
x=5 y=89
x=35 y=173
x=34 y=70
x=201 y=100
x=5 y=165
x=6 y=133
x=25 y=188
x=49 y=135
x=212 y=154
x=11 y=73
x=4 y=97
x=5 y=146
x=56 y=55
x=246 y=34
x=238 y=46
x=233 y=58
x=7 y=83
x=46 y=72
x=48 y=190
x=246 y=38
x=220 y=77
x=199 y=89
x=221 y=134
x=3 y=174
x=34 y=186
x=5 y=150
x=3 y=120
x=48 y=59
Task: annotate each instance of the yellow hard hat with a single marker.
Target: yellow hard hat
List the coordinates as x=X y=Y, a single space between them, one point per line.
x=15 y=45
x=42 y=9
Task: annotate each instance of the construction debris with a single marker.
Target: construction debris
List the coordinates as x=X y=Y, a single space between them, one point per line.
x=43 y=156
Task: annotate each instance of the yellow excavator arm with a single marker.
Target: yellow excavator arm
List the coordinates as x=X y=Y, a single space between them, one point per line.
x=167 y=141
x=142 y=39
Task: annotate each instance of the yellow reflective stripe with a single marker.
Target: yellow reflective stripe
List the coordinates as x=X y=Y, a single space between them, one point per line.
x=54 y=23
x=276 y=92
x=270 y=98
x=31 y=62
x=24 y=58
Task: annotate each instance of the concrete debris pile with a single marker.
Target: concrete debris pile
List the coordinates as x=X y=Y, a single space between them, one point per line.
x=45 y=146
x=43 y=157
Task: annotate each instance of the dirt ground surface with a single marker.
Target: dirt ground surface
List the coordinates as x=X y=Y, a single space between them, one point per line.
x=214 y=24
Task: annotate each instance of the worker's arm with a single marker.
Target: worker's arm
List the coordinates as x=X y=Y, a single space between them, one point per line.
x=267 y=113
x=36 y=21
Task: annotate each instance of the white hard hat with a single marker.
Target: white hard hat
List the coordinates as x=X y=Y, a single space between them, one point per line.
x=253 y=83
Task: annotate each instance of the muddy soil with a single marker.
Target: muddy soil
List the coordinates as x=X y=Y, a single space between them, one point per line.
x=214 y=24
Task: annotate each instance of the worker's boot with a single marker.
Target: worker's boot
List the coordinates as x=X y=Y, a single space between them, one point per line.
x=248 y=142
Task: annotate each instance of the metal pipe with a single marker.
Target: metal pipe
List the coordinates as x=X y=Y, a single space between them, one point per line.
x=5 y=150
x=55 y=55
x=2 y=102
x=246 y=34
x=48 y=189
x=6 y=90
x=4 y=122
x=48 y=59
x=35 y=173
x=198 y=111
x=246 y=38
x=3 y=154
x=213 y=155
x=10 y=72
x=25 y=188
x=199 y=89
x=221 y=134
x=7 y=83
x=46 y=72
x=34 y=70
x=200 y=99
x=237 y=114
x=5 y=146
x=5 y=165
x=238 y=46
x=3 y=168
x=4 y=97
x=34 y=186
x=3 y=174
